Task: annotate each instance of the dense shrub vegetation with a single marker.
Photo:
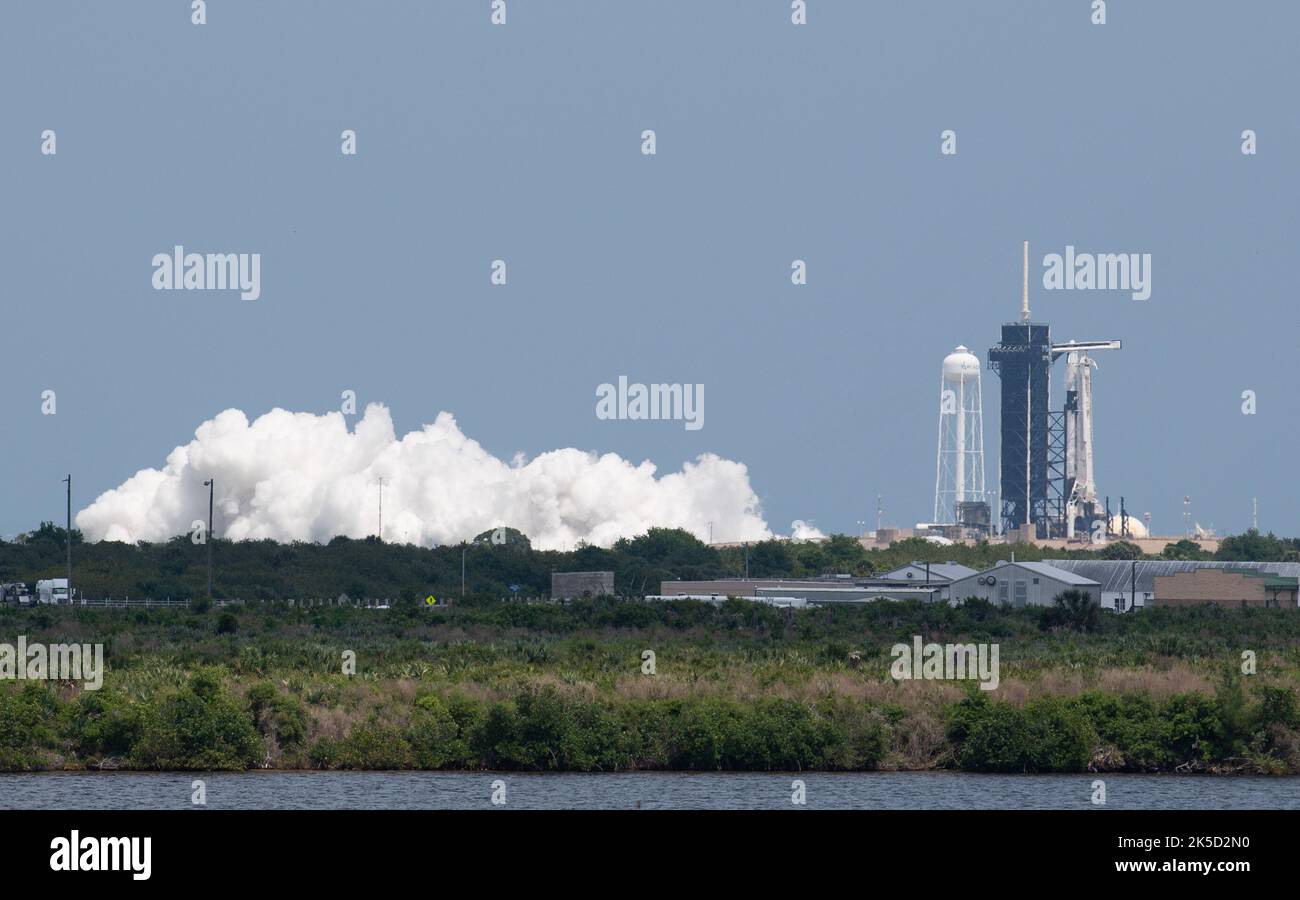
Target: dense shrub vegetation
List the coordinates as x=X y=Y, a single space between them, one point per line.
x=538 y=686
x=542 y=686
x=202 y=726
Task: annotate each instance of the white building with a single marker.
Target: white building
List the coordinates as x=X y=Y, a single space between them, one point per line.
x=1022 y=584
x=923 y=575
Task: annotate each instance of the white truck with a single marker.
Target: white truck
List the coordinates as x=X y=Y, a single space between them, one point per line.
x=52 y=590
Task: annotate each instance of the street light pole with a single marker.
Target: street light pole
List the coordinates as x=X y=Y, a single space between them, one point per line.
x=210 y=484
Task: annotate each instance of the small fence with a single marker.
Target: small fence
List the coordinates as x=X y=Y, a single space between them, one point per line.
x=124 y=603
x=296 y=603
x=128 y=603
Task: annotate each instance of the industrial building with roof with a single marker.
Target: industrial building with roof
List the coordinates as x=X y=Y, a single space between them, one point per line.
x=923 y=574
x=822 y=591
x=744 y=587
x=1022 y=584
x=1129 y=583
x=1119 y=585
x=1226 y=587
x=915 y=580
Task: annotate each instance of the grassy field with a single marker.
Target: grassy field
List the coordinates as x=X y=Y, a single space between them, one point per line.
x=502 y=685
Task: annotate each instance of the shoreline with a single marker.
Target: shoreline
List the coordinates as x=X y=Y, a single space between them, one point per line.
x=512 y=773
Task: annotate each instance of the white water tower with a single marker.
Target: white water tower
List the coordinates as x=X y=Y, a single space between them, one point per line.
x=959 y=468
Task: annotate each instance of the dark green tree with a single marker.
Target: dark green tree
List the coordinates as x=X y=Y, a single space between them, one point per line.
x=1185 y=550
x=1076 y=609
x=1254 y=547
x=1121 y=550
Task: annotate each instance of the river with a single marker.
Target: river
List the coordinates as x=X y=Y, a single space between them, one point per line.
x=639 y=790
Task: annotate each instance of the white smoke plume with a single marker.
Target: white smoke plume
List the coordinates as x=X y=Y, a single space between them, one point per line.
x=805 y=531
x=300 y=476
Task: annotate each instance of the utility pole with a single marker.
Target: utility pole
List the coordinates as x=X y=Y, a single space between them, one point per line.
x=462 y=571
x=69 y=536
x=381 y=509
x=211 y=485
x=880 y=511
x=1134 y=582
x=1254 y=513
x=747 y=560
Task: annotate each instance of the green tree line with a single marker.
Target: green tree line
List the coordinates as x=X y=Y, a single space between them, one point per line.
x=369 y=568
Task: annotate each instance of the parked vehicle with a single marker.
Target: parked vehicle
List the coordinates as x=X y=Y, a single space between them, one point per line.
x=52 y=590
x=15 y=592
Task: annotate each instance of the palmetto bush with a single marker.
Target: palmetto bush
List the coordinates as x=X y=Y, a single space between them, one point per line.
x=1075 y=609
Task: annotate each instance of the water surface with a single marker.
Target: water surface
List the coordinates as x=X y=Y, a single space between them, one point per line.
x=639 y=790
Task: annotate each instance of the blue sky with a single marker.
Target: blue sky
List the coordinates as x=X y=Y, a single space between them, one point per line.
x=775 y=142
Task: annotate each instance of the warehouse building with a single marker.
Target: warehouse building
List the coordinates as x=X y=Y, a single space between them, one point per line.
x=822 y=595
x=915 y=580
x=1129 y=583
x=1022 y=584
x=1226 y=587
x=930 y=576
x=821 y=591
x=719 y=599
x=749 y=587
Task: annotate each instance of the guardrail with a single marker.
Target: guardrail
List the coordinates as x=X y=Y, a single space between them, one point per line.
x=109 y=602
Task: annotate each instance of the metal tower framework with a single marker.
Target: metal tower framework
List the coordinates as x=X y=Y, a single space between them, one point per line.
x=1023 y=361
x=1058 y=478
x=1037 y=470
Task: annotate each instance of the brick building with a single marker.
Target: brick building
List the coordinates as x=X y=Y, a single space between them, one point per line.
x=1226 y=587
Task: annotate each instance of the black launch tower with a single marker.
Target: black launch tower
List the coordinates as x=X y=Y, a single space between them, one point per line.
x=1023 y=361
